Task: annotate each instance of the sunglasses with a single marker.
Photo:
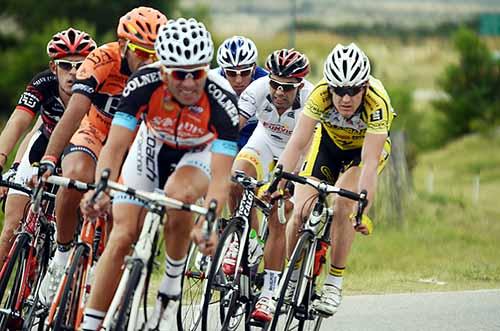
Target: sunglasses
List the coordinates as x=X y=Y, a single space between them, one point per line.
x=349 y=90
x=68 y=65
x=183 y=74
x=286 y=87
x=235 y=72
x=142 y=52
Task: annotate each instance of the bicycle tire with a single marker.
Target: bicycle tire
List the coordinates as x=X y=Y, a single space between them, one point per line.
x=12 y=278
x=301 y=250
x=65 y=317
x=123 y=316
x=215 y=276
x=193 y=285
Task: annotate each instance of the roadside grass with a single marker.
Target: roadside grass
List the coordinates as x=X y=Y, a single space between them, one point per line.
x=446 y=241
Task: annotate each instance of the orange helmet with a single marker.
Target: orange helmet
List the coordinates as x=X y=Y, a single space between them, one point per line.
x=140 y=25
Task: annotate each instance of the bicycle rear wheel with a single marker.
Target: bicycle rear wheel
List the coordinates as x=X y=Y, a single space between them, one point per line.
x=221 y=309
x=67 y=315
x=300 y=256
x=11 y=281
x=193 y=285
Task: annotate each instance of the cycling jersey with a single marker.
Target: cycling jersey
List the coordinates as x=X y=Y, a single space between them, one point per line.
x=42 y=96
x=374 y=116
x=256 y=100
x=251 y=123
x=214 y=118
x=101 y=78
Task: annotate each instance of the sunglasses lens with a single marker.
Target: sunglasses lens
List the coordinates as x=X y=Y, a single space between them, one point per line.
x=143 y=54
x=78 y=65
x=246 y=72
x=231 y=73
x=286 y=87
x=182 y=75
x=64 y=65
x=351 y=91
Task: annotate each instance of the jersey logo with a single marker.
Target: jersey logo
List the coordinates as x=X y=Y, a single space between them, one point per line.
x=140 y=81
x=376 y=115
x=27 y=99
x=225 y=102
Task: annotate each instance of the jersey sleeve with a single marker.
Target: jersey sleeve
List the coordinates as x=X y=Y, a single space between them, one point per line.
x=318 y=102
x=224 y=120
x=380 y=117
x=135 y=97
x=94 y=71
x=31 y=100
x=248 y=101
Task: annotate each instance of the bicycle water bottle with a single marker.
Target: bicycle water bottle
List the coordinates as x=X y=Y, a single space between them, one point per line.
x=320 y=257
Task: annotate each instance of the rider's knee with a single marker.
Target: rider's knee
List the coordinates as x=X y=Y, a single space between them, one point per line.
x=184 y=194
x=342 y=208
x=78 y=169
x=120 y=241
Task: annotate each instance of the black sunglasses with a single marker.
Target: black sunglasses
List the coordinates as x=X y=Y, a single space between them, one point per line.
x=349 y=90
x=286 y=87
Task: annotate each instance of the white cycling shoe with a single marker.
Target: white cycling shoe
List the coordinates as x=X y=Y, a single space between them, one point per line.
x=164 y=314
x=329 y=300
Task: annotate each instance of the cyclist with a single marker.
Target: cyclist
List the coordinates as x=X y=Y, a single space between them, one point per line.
x=349 y=148
x=47 y=94
x=276 y=101
x=237 y=59
x=185 y=145
x=96 y=91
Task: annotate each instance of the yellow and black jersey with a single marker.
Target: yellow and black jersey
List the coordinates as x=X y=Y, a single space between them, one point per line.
x=374 y=116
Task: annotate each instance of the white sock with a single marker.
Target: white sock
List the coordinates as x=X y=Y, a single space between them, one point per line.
x=62 y=253
x=334 y=280
x=171 y=282
x=92 y=319
x=271 y=279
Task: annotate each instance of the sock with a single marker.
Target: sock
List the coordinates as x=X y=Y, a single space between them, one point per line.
x=92 y=319
x=271 y=279
x=171 y=282
x=62 y=253
x=335 y=276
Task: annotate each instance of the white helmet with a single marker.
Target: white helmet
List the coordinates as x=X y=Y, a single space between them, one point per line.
x=184 y=42
x=236 y=51
x=347 y=66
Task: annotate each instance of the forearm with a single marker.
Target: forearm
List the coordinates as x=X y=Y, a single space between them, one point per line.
x=368 y=181
x=15 y=127
x=109 y=159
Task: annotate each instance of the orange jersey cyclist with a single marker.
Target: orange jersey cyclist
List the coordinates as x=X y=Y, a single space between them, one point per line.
x=185 y=145
x=96 y=92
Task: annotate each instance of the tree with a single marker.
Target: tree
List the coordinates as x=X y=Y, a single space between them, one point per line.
x=473 y=87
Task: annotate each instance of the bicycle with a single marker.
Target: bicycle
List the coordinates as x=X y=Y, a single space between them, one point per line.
x=66 y=311
x=27 y=262
x=123 y=313
x=314 y=237
x=234 y=295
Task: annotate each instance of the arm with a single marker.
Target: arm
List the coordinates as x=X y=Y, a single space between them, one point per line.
x=298 y=142
x=220 y=182
x=370 y=156
x=243 y=121
x=18 y=123
x=78 y=106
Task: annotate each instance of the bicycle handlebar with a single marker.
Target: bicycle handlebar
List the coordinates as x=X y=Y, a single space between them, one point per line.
x=27 y=190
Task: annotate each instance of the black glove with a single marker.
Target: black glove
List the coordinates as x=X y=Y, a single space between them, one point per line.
x=46 y=165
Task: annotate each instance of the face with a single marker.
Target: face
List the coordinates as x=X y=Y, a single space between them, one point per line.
x=186 y=83
x=65 y=69
x=240 y=77
x=137 y=55
x=347 y=99
x=283 y=91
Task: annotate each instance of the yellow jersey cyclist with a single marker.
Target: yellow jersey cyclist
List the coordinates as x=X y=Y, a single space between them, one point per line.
x=46 y=95
x=237 y=59
x=349 y=148
x=276 y=101
x=185 y=145
x=83 y=129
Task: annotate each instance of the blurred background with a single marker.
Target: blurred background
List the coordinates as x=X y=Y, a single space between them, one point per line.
x=437 y=216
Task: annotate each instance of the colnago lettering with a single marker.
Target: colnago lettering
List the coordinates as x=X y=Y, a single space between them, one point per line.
x=246 y=203
x=141 y=81
x=150 y=158
x=225 y=102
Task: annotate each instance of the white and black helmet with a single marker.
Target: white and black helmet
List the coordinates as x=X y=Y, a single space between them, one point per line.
x=347 y=66
x=184 y=42
x=236 y=51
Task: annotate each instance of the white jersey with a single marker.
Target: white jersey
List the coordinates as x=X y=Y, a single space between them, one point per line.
x=256 y=100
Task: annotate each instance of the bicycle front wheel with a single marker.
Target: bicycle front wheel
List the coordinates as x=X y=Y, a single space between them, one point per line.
x=11 y=284
x=221 y=309
x=299 y=262
x=68 y=316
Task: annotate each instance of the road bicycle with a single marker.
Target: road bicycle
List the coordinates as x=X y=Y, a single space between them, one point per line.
x=294 y=309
